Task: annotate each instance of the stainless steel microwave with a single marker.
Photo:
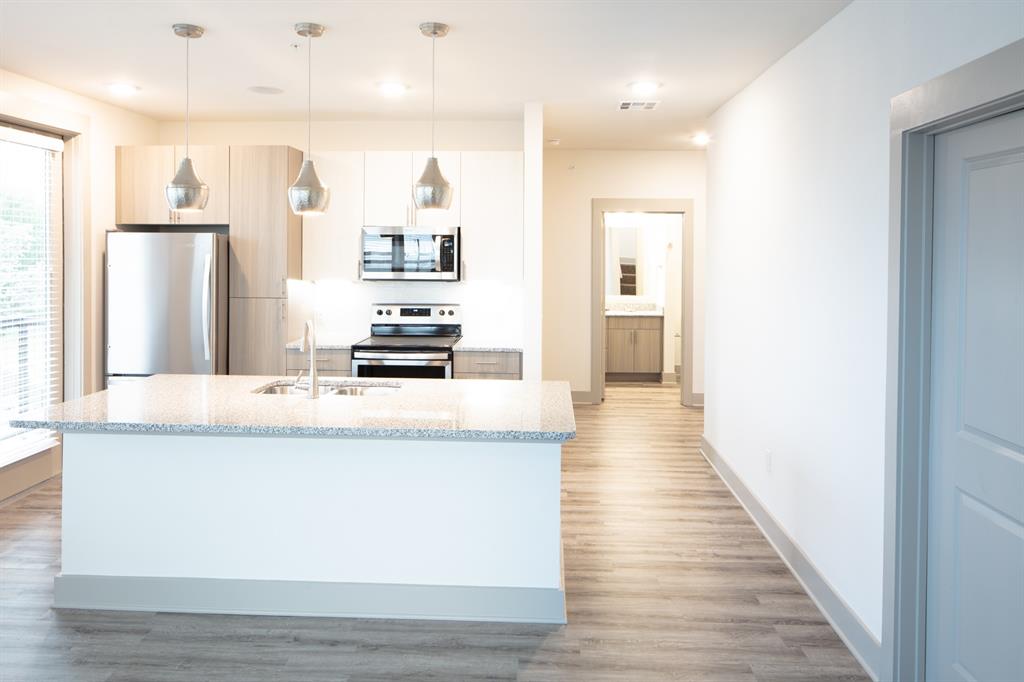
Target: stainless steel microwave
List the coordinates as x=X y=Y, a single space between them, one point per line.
x=415 y=253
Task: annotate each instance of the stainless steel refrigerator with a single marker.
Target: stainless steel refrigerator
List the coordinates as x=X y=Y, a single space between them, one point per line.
x=166 y=304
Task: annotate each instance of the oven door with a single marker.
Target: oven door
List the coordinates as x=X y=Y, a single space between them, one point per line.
x=392 y=365
x=390 y=253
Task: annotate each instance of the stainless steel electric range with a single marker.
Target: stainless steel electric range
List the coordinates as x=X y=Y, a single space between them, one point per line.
x=409 y=341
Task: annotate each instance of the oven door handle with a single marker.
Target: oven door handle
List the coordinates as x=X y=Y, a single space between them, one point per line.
x=398 y=357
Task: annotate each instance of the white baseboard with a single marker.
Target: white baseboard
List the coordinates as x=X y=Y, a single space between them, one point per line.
x=864 y=646
x=307 y=598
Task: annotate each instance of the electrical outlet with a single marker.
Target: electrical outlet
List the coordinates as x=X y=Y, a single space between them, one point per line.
x=768 y=461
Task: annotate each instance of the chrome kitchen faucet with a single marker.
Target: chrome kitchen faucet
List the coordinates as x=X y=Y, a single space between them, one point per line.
x=309 y=344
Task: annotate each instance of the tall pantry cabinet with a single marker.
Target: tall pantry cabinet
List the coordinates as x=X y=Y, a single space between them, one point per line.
x=266 y=251
x=249 y=195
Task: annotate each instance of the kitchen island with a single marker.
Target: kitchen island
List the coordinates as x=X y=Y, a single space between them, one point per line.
x=429 y=499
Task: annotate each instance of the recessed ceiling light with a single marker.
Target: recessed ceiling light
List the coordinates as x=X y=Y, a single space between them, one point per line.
x=701 y=139
x=265 y=90
x=392 y=88
x=123 y=89
x=644 y=88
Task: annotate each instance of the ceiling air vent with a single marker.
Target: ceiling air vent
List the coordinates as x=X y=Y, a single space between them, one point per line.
x=637 y=105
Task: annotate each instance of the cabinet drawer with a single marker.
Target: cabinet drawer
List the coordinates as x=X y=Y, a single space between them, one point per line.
x=474 y=362
x=637 y=322
x=483 y=375
x=337 y=360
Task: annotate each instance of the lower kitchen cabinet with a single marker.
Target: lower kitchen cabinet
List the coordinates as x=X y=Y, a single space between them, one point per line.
x=257 y=335
x=488 y=365
x=633 y=345
x=329 y=362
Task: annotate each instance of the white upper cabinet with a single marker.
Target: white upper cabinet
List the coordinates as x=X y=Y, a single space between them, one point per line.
x=451 y=168
x=387 y=189
x=492 y=215
x=331 y=242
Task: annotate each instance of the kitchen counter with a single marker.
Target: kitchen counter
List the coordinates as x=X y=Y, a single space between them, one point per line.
x=464 y=345
x=634 y=313
x=192 y=493
x=421 y=408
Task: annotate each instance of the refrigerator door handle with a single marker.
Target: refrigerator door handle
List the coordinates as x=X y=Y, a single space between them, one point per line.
x=207 y=271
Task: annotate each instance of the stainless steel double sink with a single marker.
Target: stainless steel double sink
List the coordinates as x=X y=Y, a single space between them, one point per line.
x=326 y=389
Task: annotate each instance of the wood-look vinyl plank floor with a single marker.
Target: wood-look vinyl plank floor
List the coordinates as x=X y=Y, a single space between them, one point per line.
x=666 y=576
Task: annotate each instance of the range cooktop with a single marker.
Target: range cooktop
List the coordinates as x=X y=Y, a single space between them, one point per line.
x=408 y=343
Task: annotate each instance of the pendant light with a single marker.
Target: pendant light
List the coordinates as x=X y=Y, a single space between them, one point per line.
x=307 y=195
x=432 y=190
x=186 y=193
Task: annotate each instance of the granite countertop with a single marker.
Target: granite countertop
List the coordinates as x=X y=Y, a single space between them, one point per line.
x=634 y=313
x=442 y=409
x=473 y=345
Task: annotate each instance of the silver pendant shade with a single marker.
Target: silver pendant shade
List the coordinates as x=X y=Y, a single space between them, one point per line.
x=186 y=192
x=307 y=195
x=432 y=190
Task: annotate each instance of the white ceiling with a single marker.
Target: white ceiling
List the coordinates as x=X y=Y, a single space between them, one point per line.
x=575 y=56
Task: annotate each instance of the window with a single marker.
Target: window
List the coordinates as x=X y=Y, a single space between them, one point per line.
x=31 y=285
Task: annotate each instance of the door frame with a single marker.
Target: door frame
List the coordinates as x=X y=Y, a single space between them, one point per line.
x=597 y=360
x=985 y=88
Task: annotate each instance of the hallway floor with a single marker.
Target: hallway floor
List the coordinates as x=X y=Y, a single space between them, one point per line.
x=666 y=578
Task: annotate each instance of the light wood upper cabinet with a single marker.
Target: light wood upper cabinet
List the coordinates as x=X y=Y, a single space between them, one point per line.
x=387 y=189
x=141 y=174
x=256 y=340
x=265 y=236
x=211 y=164
x=492 y=215
x=450 y=164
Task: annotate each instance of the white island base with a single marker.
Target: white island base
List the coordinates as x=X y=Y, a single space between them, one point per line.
x=284 y=525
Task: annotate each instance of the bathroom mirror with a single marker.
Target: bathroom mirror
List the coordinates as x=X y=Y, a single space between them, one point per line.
x=623 y=275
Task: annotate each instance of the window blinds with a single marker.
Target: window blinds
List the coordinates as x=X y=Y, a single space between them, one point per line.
x=31 y=285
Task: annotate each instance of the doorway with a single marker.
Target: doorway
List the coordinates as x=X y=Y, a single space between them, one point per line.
x=954 y=596
x=643 y=297
x=612 y=334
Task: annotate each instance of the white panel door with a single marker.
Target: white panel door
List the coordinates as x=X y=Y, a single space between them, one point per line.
x=492 y=215
x=450 y=164
x=975 y=608
x=387 y=189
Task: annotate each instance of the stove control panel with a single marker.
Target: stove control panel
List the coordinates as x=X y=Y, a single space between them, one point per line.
x=420 y=313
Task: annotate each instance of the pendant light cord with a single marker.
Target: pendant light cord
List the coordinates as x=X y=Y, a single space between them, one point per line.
x=309 y=95
x=187 y=102
x=433 y=90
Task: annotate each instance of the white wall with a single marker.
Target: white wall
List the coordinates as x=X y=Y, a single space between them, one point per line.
x=572 y=179
x=102 y=127
x=796 y=260
x=352 y=135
